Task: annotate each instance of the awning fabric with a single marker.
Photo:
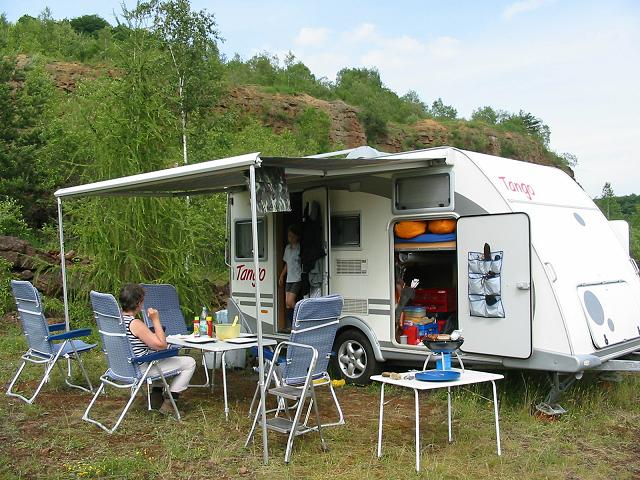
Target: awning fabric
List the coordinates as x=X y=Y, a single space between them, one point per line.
x=230 y=173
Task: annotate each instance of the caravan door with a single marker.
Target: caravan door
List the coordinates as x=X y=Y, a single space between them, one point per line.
x=494 y=284
x=319 y=197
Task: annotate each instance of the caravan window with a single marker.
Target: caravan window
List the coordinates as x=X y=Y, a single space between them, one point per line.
x=422 y=192
x=345 y=230
x=244 y=242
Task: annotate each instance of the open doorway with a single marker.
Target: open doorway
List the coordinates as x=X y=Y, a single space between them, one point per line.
x=282 y=222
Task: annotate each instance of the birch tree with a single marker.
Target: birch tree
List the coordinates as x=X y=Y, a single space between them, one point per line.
x=191 y=40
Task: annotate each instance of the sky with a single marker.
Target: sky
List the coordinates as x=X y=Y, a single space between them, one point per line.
x=573 y=63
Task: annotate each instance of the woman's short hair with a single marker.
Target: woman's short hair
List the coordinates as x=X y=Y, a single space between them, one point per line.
x=130 y=296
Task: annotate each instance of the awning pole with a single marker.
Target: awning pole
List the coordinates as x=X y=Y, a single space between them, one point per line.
x=63 y=265
x=256 y=273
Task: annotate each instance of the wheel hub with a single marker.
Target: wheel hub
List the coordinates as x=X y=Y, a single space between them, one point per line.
x=352 y=359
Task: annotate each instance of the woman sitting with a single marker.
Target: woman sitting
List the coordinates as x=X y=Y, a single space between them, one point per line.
x=144 y=340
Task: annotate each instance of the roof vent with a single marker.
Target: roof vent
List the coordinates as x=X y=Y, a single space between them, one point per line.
x=364 y=151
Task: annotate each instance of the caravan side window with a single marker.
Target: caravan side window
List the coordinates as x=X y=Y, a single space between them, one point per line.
x=345 y=230
x=244 y=242
x=422 y=192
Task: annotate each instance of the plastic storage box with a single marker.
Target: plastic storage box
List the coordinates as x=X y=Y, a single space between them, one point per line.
x=436 y=300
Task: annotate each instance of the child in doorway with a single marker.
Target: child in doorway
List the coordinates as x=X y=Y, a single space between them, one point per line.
x=291 y=276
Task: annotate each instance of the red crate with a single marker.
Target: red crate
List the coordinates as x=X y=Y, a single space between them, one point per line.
x=436 y=300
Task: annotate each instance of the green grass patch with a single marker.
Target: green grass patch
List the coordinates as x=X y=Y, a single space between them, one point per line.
x=598 y=438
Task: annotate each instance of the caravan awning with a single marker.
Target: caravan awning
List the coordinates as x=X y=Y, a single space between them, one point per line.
x=229 y=173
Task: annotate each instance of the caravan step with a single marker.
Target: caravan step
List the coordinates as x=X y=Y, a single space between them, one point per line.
x=292 y=393
x=284 y=425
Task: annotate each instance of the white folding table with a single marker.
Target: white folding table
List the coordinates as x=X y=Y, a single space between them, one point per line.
x=467 y=377
x=219 y=346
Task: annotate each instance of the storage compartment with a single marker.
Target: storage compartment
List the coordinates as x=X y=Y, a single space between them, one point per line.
x=430 y=306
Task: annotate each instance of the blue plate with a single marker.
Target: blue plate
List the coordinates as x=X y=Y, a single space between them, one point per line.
x=438 y=376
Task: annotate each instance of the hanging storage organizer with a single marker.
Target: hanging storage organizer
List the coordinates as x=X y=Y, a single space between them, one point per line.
x=485 y=299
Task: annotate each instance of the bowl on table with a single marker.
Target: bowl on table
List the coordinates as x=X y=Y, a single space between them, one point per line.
x=225 y=331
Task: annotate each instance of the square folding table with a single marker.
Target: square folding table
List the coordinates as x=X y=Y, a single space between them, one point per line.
x=220 y=346
x=467 y=377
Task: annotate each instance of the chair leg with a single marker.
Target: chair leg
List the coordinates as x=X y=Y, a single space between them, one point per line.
x=306 y=417
x=84 y=371
x=86 y=417
x=173 y=402
x=253 y=400
x=15 y=378
x=44 y=380
x=67 y=376
x=254 y=423
x=296 y=420
x=315 y=407
x=338 y=408
x=258 y=410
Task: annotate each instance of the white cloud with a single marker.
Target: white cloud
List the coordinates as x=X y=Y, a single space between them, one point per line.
x=364 y=31
x=311 y=37
x=444 y=47
x=523 y=6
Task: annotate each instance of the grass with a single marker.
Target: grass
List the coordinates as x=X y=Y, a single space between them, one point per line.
x=598 y=438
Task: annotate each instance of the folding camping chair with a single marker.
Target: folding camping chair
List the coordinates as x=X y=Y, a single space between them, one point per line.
x=308 y=351
x=42 y=350
x=164 y=298
x=124 y=368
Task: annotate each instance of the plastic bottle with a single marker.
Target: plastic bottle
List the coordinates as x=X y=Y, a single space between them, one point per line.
x=209 y=326
x=196 y=326
x=203 y=320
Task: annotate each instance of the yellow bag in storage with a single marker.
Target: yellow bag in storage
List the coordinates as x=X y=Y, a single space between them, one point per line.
x=410 y=229
x=442 y=226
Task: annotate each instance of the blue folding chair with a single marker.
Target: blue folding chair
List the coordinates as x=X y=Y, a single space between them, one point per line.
x=124 y=368
x=164 y=298
x=309 y=348
x=42 y=349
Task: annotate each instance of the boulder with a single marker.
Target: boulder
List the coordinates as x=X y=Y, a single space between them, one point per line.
x=12 y=257
x=13 y=244
x=48 y=283
x=26 y=275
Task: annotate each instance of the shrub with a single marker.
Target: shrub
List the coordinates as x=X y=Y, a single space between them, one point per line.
x=6 y=297
x=11 y=220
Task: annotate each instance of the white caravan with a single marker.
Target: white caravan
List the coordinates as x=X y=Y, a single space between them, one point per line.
x=569 y=293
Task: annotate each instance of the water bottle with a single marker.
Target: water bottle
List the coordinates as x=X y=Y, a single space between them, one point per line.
x=203 y=320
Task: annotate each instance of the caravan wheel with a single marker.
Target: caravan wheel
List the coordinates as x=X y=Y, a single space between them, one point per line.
x=354 y=357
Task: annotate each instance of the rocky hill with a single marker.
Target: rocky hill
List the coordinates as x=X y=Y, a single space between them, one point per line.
x=279 y=111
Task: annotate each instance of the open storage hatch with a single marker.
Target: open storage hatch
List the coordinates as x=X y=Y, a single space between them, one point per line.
x=494 y=284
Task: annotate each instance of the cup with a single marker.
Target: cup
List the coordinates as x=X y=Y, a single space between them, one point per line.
x=403 y=339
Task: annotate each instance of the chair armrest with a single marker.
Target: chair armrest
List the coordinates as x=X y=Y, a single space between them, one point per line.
x=151 y=357
x=81 y=332
x=54 y=327
x=267 y=354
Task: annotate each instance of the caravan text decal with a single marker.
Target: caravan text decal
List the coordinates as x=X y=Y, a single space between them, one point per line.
x=246 y=273
x=519 y=187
